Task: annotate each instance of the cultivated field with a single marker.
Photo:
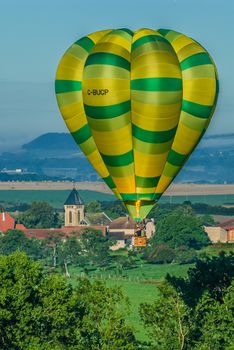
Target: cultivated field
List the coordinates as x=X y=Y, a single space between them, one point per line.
x=56 y=193
x=173 y=190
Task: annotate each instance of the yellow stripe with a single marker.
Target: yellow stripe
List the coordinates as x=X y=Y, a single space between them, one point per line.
x=180 y=42
x=151 y=47
x=68 y=98
x=146 y=147
x=204 y=71
x=88 y=146
x=200 y=91
x=118 y=40
x=69 y=111
x=112 y=48
x=189 y=50
x=164 y=182
x=149 y=165
x=96 y=36
x=96 y=71
x=185 y=139
x=161 y=111
x=159 y=70
x=77 y=51
x=156 y=98
x=118 y=91
x=115 y=142
x=143 y=190
x=76 y=122
x=154 y=124
x=144 y=31
x=126 y=184
x=153 y=59
x=189 y=120
x=123 y=171
x=97 y=162
x=67 y=73
x=71 y=62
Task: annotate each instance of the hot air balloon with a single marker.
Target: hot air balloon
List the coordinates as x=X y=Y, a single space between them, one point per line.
x=137 y=104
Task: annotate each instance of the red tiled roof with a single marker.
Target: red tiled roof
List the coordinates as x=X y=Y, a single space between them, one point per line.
x=227 y=224
x=70 y=229
x=7 y=222
x=124 y=222
x=20 y=227
x=44 y=233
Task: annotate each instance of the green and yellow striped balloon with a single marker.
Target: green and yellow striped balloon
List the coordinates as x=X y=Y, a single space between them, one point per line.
x=137 y=104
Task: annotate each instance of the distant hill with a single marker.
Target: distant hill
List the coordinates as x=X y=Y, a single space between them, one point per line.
x=56 y=155
x=52 y=141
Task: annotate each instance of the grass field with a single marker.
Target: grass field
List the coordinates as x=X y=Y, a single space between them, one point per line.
x=218 y=199
x=140 y=284
x=57 y=197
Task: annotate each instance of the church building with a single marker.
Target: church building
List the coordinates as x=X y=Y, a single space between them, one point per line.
x=74 y=210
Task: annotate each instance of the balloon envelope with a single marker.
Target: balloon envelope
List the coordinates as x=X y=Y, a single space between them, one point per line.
x=137 y=104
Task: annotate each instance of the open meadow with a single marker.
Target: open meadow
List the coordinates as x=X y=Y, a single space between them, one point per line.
x=140 y=284
x=57 y=198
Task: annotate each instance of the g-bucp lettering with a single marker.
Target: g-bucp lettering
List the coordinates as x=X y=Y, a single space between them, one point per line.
x=97 y=92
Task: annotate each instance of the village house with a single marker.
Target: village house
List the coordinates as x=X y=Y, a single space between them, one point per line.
x=121 y=230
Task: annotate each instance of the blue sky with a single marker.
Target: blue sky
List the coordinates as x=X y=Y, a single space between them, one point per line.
x=34 y=34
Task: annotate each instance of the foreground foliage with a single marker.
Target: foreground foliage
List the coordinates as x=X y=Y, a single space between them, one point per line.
x=40 y=311
x=197 y=312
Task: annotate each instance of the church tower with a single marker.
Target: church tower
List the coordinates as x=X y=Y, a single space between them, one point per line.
x=74 y=209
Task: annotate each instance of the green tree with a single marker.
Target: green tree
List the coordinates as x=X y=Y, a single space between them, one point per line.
x=196 y=312
x=15 y=240
x=181 y=227
x=40 y=311
x=114 y=209
x=167 y=320
x=214 y=320
x=52 y=242
x=212 y=274
x=94 y=248
x=93 y=207
x=159 y=254
x=39 y=215
x=69 y=253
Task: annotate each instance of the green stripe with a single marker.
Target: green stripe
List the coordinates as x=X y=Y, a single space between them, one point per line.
x=147 y=182
x=110 y=183
x=157 y=84
x=176 y=158
x=107 y=125
x=198 y=59
x=136 y=196
x=148 y=39
x=109 y=59
x=164 y=31
x=196 y=109
x=67 y=86
x=119 y=160
x=157 y=196
x=105 y=112
x=172 y=35
x=86 y=43
x=153 y=136
x=129 y=31
x=82 y=135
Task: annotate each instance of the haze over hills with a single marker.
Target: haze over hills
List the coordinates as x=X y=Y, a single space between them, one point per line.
x=56 y=156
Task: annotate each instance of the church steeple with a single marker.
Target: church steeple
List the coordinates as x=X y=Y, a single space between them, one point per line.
x=74 y=209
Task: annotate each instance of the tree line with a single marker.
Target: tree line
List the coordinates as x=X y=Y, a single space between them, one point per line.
x=41 y=311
